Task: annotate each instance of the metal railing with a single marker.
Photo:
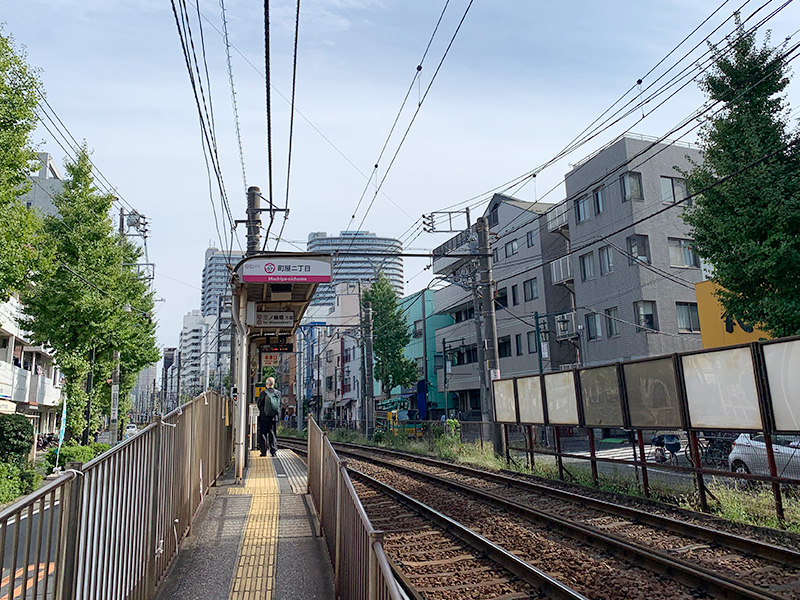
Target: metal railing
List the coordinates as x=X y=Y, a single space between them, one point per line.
x=361 y=568
x=112 y=529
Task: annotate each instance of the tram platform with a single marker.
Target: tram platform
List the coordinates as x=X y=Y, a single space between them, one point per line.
x=254 y=541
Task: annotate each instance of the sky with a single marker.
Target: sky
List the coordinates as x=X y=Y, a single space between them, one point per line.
x=520 y=81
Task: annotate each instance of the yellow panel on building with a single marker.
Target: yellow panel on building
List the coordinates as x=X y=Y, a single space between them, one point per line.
x=717 y=328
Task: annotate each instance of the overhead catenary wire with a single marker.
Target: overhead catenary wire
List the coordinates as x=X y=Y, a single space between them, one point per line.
x=291 y=125
x=267 y=71
x=697 y=65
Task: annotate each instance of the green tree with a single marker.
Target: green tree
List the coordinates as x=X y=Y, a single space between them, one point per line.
x=747 y=227
x=92 y=302
x=20 y=254
x=16 y=439
x=390 y=337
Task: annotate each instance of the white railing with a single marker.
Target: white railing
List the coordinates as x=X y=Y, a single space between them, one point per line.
x=361 y=568
x=561 y=269
x=558 y=217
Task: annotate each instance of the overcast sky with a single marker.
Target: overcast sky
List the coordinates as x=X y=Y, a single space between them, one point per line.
x=521 y=80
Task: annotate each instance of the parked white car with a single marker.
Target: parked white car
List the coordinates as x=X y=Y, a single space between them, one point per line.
x=130 y=429
x=749 y=455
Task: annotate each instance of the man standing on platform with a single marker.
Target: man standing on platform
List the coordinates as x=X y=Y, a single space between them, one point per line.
x=269 y=407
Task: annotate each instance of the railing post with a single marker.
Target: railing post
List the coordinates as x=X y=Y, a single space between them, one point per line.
x=152 y=525
x=65 y=588
x=321 y=459
x=643 y=459
x=339 y=494
x=373 y=574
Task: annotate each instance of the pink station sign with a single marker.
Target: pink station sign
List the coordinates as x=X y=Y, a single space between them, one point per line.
x=279 y=269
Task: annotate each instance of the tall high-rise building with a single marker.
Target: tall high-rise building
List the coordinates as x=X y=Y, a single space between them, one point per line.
x=215 y=302
x=363 y=262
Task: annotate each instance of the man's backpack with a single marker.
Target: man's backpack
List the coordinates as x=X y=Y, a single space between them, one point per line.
x=269 y=403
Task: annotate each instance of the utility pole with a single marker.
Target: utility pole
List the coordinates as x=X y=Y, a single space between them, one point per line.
x=253 y=219
x=89 y=388
x=425 y=352
x=489 y=321
x=369 y=376
x=115 y=373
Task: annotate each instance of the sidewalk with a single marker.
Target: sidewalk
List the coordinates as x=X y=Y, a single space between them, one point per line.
x=254 y=541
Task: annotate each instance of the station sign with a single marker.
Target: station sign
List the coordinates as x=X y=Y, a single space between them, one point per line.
x=287 y=269
x=269 y=318
x=270 y=359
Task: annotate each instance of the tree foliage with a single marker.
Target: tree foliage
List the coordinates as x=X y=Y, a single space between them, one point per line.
x=747 y=227
x=93 y=301
x=20 y=253
x=390 y=337
x=16 y=439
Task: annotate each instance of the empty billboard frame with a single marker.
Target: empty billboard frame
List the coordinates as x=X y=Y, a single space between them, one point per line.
x=721 y=389
x=652 y=391
x=782 y=365
x=505 y=402
x=601 y=396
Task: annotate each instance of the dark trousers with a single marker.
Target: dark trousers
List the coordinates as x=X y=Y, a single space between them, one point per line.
x=266 y=435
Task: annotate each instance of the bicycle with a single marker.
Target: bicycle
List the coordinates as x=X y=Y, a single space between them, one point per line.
x=713 y=449
x=663 y=444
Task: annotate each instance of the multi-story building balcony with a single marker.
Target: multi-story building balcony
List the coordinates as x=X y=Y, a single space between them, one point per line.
x=561 y=270
x=558 y=218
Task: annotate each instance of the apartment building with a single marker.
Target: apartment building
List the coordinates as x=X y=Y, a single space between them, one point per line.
x=520 y=242
x=634 y=289
x=30 y=382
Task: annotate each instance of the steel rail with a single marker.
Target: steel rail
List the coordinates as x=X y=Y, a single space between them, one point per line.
x=655 y=560
x=527 y=573
x=689 y=574
x=717 y=537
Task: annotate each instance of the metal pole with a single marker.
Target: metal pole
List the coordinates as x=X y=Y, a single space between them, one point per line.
x=242 y=363
x=425 y=352
x=444 y=377
x=369 y=376
x=89 y=388
x=253 y=219
x=298 y=399
x=115 y=398
x=486 y=410
x=489 y=320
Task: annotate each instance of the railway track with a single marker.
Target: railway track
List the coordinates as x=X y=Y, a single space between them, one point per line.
x=702 y=558
x=436 y=558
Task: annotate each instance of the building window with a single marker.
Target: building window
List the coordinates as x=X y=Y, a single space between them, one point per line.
x=511 y=248
x=530 y=237
x=329 y=383
x=504 y=347
x=530 y=289
x=632 y=187
x=688 y=319
x=606 y=260
x=586 y=262
x=531 y=342
x=599 y=198
x=612 y=324
x=673 y=190
x=638 y=249
x=581 y=209
x=514 y=295
x=518 y=344
x=492 y=218
x=646 y=317
x=501 y=298
x=418 y=329
x=681 y=254
x=495 y=255
x=593 y=329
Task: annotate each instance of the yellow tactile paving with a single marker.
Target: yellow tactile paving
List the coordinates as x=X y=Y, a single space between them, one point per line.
x=255 y=572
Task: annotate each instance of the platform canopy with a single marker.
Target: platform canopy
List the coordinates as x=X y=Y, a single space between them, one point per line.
x=279 y=287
